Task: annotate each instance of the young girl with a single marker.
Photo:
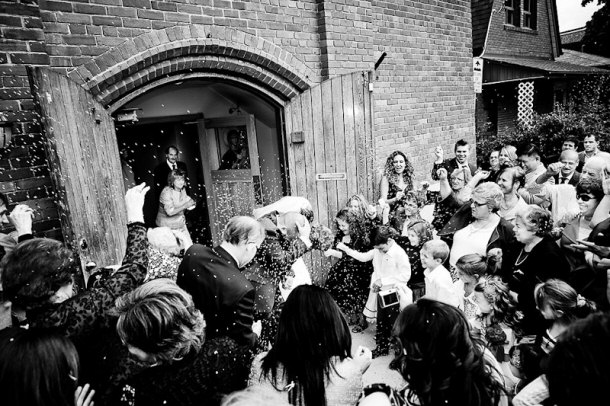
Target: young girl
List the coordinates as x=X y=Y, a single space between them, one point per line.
x=391 y=269
x=498 y=318
x=406 y=213
x=348 y=280
x=561 y=305
x=417 y=234
x=470 y=269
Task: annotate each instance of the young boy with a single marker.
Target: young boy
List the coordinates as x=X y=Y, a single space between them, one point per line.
x=391 y=268
x=439 y=285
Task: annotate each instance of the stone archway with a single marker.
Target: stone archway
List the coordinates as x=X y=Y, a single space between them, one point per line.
x=194 y=51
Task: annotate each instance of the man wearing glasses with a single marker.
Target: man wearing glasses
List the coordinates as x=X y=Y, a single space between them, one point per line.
x=564 y=171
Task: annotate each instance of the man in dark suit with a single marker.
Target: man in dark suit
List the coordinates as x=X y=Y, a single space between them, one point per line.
x=162 y=170
x=462 y=152
x=563 y=171
x=219 y=289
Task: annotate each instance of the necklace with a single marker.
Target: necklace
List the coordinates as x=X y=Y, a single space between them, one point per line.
x=520 y=260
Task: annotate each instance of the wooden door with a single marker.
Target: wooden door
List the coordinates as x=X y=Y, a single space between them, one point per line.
x=83 y=156
x=230 y=191
x=329 y=130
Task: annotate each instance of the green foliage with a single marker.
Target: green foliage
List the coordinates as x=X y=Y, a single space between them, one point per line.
x=597 y=34
x=588 y=112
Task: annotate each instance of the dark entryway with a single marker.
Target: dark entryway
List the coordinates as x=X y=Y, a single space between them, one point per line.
x=145 y=142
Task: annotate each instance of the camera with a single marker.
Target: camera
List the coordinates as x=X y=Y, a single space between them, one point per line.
x=389 y=298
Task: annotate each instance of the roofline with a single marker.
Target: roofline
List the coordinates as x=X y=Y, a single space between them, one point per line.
x=573 y=30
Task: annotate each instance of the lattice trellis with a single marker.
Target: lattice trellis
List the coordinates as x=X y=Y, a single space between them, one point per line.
x=525 y=102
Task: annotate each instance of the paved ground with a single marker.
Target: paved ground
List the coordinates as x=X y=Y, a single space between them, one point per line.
x=379 y=370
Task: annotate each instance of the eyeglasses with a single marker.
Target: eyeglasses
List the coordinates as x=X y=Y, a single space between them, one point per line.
x=585 y=198
x=477 y=203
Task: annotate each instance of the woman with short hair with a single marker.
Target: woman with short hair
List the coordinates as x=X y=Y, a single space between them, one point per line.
x=173 y=203
x=476 y=228
x=539 y=259
x=161 y=327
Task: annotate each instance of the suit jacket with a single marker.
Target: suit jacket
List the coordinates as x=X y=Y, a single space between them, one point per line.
x=451 y=165
x=573 y=180
x=162 y=171
x=220 y=291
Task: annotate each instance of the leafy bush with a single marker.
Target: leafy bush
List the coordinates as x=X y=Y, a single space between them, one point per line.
x=588 y=112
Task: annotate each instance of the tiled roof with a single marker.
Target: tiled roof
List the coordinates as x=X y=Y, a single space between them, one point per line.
x=572 y=36
x=583 y=59
x=549 y=66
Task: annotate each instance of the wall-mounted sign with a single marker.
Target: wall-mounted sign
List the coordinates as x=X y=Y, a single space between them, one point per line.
x=477 y=68
x=331 y=176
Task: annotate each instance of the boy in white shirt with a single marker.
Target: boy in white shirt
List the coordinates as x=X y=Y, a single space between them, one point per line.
x=439 y=285
x=391 y=268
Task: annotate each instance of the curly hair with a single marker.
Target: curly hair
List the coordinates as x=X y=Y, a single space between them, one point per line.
x=392 y=176
x=497 y=293
x=357 y=229
x=160 y=319
x=441 y=360
x=536 y=219
x=592 y=186
x=35 y=270
x=362 y=204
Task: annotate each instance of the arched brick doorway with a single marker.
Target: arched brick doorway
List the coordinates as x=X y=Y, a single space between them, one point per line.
x=188 y=57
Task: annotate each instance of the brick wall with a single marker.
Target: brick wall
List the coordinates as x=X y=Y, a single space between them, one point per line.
x=23 y=167
x=512 y=41
x=76 y=31
x=424 y=94
x=423 y=89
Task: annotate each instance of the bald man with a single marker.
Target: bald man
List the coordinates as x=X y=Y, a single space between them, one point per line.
x=563 y=171
x=595 y=166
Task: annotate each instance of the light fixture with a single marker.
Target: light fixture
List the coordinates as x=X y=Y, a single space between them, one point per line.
x=235 y=109
x=129 y=114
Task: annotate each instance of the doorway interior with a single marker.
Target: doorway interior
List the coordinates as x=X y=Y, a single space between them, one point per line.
x=175 y=114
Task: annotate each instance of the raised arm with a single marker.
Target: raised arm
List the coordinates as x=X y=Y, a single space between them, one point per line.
x=92 y=308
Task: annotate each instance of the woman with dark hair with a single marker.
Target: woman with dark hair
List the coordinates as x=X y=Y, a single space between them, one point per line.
x=311 y=360
x=40 y=368
x=578 y=369
x=539 y=259
x=348 y=280
x=164 y=331
x=173 y=203
x=589 y=194
x=442 y=363
x=397 y=179
x=37 y=277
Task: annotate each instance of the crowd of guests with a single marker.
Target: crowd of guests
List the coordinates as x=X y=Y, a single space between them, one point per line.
x=499 y=297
